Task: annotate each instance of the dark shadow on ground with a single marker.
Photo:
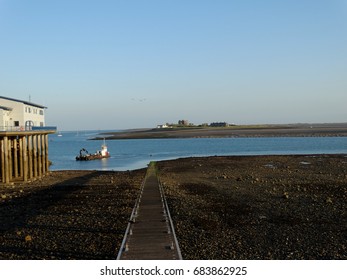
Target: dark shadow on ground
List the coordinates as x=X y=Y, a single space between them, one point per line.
x=81 y=218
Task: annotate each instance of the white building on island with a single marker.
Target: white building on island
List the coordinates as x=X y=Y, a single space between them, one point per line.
x=159 y=126
x=17 y=115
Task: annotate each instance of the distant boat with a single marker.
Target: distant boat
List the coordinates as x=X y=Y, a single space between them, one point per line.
x=85 y=155
x=59 y=134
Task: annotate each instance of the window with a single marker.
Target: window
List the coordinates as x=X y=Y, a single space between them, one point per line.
x=16 y=123
x=41 y=112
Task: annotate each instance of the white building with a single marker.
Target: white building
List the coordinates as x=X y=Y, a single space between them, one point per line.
x=162 y=126
x=20 y=115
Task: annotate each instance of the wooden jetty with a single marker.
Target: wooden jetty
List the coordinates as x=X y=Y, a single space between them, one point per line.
x=24 y=155
x=150 y=234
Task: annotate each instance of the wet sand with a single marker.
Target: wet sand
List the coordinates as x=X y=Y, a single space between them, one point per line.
x=255 y=207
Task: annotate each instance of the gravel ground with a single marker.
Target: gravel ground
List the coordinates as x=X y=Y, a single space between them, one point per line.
x=67 y=215
x=256 y=207
x=262 y=207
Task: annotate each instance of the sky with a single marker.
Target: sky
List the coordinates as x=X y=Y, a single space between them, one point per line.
x=118 y=64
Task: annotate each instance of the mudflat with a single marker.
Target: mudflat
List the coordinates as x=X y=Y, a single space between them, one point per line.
x=259 y=207
x=298 y=130
x=249 y=207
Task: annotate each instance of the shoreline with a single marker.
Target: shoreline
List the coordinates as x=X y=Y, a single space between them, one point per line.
x=298 y=130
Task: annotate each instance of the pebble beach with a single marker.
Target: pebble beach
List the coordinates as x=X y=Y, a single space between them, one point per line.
x=237 y=207
x=259 y=207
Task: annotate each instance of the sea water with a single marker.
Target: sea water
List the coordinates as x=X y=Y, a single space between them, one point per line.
x=135 y=154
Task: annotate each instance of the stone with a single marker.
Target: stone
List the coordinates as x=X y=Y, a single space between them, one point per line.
x=28 y=238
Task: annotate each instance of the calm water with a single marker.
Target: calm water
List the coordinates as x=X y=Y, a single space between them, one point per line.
x=133 y=154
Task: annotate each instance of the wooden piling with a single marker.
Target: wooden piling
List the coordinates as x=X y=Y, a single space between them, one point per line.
x=24 y=155
x=34 y=153
x=46 y=153
x=2 y=162
x=30 y=156
x=15 y=158
x=39 y=159
x=21 y=158
x=6 y=163
x=25 y=160
x=43 y=154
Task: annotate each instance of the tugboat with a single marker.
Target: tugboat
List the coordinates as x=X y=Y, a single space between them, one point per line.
x=85 y=155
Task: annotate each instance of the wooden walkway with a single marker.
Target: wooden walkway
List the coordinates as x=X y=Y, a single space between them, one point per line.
x=150 y=234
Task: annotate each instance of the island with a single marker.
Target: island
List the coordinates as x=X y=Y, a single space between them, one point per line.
x=201 y=131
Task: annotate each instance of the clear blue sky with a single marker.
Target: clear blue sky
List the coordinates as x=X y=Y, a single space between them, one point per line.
x=128 y=64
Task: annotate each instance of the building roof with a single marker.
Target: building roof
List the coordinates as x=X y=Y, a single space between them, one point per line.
x=23 y=101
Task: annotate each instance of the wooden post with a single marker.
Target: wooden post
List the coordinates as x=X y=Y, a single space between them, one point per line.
x=25 y=158
x=46 y=153
x=35 y=155
x=30 y=156
x=15 y=157
x=38 y=159
x=2 y=160
x=21 y=158
x=10 y=159
x=6 y=163
x=43 y=154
